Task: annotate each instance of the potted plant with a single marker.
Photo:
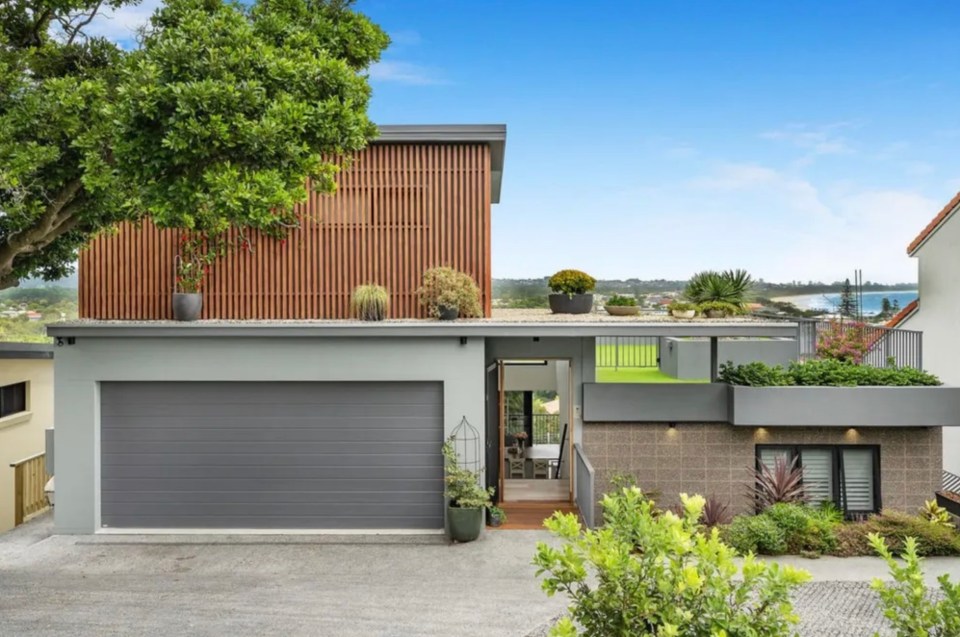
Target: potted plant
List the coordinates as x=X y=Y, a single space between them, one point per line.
x=571 y=292
x=187 y=298
x=495 y=516
x=682 y=309
x=370 y=302
x=718 y=309
x=466 y=499
x=448 y=294
x=618 y=305
x=521 y=438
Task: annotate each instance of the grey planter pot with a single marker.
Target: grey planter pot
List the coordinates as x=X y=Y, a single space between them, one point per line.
x=576 y=304
x=465 y=524
x=187 y=307
x=449 y=313
x=622 y=310
x=948 y=503
x=844 y=406
x=716 y=314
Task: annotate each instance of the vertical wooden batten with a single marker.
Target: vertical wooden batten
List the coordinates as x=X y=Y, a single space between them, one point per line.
x=401 y=209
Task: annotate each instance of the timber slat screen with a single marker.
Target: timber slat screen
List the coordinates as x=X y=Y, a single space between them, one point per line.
x=400 y=209
x=29 y=479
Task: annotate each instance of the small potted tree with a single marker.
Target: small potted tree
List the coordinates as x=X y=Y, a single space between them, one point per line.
x=370 y=302
x=682 y=309
x=466 y=499
x=618 y=305
x=448 y=294
x=571 y=292
x=190 y=267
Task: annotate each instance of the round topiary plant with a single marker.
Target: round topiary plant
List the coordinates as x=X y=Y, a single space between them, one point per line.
x=448 y=289
x=571 y=282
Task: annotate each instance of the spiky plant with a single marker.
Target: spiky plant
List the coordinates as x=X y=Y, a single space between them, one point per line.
x=370 y=302
x=715 y=513
x=936 y=514
x=781 y=483
x=730 y=286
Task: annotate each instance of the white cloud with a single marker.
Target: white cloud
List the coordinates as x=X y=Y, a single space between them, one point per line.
x=816 y=140
x=404 y=73
x=121 y=25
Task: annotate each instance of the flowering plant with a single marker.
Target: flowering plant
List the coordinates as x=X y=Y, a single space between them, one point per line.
x=844 y=342
x=520 y=436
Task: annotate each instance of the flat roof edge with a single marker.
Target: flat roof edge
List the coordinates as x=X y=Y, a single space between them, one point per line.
x=413 y=330
x=10 y=351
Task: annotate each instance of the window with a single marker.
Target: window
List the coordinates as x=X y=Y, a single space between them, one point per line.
x=13 y=399
x=848 y=476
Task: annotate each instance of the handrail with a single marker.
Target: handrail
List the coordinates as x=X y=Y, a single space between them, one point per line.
x=13 y=465
x=585 y=477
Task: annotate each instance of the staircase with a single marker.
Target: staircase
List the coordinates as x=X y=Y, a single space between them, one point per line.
x=529 y=516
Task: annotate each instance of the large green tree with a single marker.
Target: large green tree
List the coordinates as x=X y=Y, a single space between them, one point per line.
x=215 y=120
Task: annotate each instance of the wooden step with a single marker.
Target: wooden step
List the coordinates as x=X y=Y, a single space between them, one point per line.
x=528 y=516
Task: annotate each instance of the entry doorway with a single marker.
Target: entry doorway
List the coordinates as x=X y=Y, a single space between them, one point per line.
x=530 y=420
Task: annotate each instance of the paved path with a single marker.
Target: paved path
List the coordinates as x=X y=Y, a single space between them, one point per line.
x=295 y=585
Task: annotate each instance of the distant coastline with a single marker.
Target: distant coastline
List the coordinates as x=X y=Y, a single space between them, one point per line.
x=829 y=301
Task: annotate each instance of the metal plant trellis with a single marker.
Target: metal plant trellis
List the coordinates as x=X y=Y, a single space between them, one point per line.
x=466 y=442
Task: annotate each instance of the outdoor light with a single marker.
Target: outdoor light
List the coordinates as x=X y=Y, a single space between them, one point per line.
x=463 y=340
x=672 y=425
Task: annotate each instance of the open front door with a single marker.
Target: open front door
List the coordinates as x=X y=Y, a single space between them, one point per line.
x=493 y=435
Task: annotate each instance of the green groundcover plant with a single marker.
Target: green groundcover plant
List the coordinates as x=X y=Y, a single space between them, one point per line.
x=621 y=301
x=652 y=572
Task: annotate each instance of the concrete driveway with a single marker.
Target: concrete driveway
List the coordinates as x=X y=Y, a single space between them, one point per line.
x=197 y=585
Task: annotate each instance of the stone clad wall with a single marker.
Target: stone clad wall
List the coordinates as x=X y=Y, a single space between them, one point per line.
x=713 y=459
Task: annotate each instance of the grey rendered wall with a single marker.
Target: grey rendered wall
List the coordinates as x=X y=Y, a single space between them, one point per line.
x=81 y=367
x=690 y=359
x=655 y=402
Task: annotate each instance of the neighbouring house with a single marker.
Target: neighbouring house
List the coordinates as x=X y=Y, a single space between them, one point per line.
x=280 y=412
x=936 y=311
x=26 y=411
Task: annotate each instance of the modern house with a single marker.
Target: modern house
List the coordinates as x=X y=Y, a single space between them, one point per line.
x=26 y=411
x=279 y=412
x=935 y=312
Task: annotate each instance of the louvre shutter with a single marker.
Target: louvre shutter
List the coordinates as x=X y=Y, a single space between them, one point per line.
x=768 y=456
x=857 y=493
x=817 y=474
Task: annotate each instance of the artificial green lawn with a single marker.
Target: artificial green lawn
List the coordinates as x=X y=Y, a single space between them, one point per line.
x=607 y=354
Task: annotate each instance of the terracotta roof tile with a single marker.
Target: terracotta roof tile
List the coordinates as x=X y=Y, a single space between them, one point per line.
x=932 y=226
x=902 y=315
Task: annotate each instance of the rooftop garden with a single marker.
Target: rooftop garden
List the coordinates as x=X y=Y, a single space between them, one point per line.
x=824 y=373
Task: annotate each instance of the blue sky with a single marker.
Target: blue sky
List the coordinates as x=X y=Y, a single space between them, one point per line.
x=654 y=139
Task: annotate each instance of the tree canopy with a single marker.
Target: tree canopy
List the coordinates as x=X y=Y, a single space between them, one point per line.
x=216 y=119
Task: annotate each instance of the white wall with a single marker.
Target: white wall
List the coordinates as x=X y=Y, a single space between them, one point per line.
x=81 y=367
x=939 y=319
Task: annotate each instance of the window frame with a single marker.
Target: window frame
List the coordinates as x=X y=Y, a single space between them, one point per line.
x=836 y=464
x=25 y=388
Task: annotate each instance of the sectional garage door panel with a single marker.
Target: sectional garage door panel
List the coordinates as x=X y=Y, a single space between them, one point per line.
x=271 y=455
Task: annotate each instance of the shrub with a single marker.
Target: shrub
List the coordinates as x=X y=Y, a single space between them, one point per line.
x=446 y=287
x=648 y=572
x=571 y=282
x=907 y=606
x=936 y=514
x=844 y=341
x=370 y=302
x=462 y=486
x=731 y=286
x=755 y=534
x=781 y=483
x=681 y=306
x=719 y=306
x=823 y=373
x=895 y=527
x=621 y=301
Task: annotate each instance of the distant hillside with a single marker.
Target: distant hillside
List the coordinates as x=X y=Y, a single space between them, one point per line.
x=67 y=282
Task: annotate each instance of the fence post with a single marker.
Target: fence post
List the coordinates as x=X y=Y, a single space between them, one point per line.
x=616 y=348
x=18 y=495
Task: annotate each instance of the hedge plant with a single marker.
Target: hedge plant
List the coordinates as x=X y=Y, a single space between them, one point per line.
x=446 y=287
x=571 y=282
x=823 y=373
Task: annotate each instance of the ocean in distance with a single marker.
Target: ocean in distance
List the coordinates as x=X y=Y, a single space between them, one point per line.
x=871 y=300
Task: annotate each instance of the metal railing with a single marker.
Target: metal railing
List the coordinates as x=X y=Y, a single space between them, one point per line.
x=29 y=478
x=885 y=346
x=628 y=351
x=546 y=427
x=583 y=482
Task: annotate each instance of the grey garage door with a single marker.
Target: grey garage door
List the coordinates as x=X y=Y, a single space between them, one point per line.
x=271 y=455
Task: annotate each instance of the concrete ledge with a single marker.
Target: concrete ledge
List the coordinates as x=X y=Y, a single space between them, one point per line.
x=26 y=350
x=655 y=402
x=844 y=406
